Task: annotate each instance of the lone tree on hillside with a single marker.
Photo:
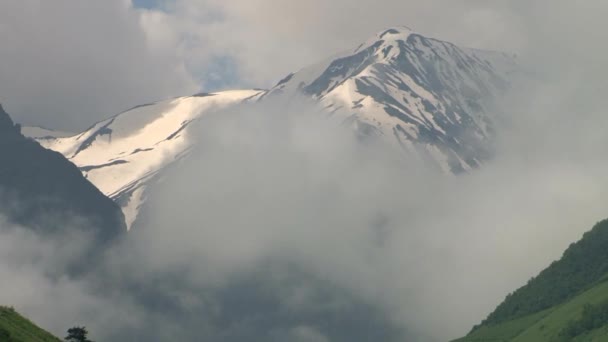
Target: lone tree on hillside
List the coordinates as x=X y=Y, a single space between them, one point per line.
x=77 y=334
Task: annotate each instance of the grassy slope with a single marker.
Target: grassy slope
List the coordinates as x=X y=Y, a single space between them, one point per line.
x=581 y=267
x=553 y=302
x=546 y=325
x=16 y=328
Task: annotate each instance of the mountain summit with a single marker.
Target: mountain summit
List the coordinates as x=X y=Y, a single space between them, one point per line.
x=431 y=97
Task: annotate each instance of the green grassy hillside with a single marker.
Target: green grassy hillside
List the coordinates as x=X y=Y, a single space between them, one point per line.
x=583 y=318
x=568 y=301
x=16 y=328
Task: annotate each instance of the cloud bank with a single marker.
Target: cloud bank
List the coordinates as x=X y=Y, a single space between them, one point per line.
x=274 y=182
x=282 y=225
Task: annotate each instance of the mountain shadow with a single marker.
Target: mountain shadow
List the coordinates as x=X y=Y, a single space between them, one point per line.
x=42 y=190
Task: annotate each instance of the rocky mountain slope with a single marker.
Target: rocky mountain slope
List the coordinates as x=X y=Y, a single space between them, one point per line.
x=430 y=98
x=122 y=154
x=44 y=191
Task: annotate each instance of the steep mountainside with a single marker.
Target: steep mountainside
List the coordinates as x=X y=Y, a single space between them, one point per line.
x=16 y=328
x=567 y=301
x=41 y=189
x=431 y=97
x=122 y=154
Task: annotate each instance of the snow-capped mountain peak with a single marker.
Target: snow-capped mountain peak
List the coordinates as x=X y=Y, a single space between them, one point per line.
x=429 y=98
x=387 y=37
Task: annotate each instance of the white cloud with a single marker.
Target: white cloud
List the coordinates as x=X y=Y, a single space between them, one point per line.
x=270 y=182
x=269 y=39
x=36 y=282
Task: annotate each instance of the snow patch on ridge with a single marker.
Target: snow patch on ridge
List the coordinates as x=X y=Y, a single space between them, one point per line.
x=121 y=154
x=416 y=91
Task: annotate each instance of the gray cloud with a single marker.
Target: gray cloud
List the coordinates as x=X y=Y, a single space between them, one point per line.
x=450 y=248
x=280 y=217
x=269 y=39
x=435 y=253
x=35 y=280
x=66 y=64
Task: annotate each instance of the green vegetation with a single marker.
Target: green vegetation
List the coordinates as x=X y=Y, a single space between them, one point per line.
x=582 y=318
x=594 y=316
x=16 y=328
x=77 y=334
x=583 y=264
x=568 y=301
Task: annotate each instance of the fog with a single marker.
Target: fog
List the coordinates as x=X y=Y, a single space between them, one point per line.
x=300 y=222
x=281 y=220
x=275 y=182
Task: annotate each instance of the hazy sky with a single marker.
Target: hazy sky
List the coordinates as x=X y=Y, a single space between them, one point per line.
x=67 y=63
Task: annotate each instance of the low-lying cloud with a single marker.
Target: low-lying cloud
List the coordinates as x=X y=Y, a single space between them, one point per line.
x=283 y=224
x=276 y=182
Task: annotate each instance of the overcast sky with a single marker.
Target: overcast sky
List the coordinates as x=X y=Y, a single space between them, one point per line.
x=67 y=63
